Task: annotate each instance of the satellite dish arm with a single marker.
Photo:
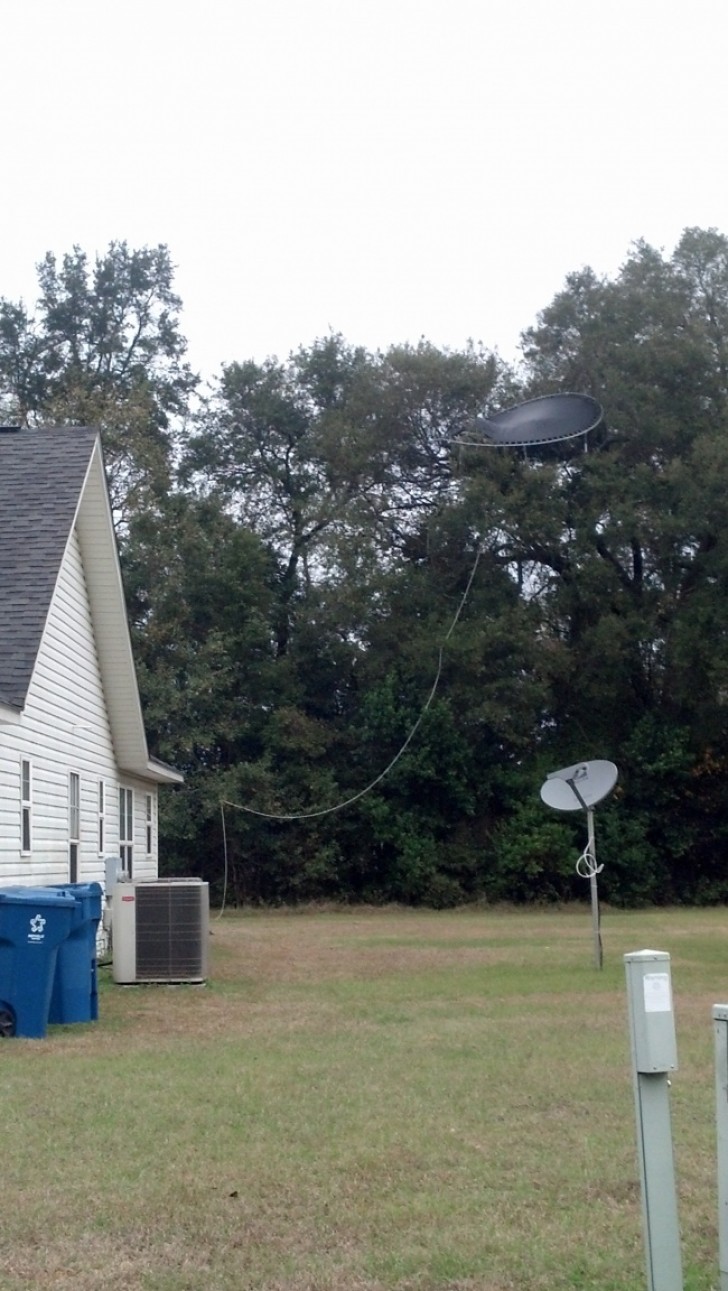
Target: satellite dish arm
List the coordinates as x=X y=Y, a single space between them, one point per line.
x=572 y=785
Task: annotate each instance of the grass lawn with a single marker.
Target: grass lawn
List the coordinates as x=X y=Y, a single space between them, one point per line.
x=360 y=1101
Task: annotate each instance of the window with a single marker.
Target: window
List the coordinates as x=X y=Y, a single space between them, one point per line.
x=74 y=824
x=150 y=830
x=102 y=816
x=26 y=806
x=126 y=830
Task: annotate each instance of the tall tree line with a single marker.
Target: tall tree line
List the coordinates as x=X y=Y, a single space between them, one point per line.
x=319 y=563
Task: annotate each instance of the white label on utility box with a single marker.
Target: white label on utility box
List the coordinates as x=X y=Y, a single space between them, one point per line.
x=657 y=993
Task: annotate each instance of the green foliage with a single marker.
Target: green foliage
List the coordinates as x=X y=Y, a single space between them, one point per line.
x=103 y=348
x=345 y=525
x=376 y=640
x=532 y=856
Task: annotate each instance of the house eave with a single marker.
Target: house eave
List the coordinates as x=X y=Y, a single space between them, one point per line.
x=9 y=714
x=163 y=774
x=95 y=528
x=153 y=769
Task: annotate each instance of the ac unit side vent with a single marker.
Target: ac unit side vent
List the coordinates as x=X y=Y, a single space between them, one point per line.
x=171 y=932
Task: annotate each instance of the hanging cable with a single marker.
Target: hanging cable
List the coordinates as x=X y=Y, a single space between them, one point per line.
x=225 y=854
x=347 y=802
x=586 y=866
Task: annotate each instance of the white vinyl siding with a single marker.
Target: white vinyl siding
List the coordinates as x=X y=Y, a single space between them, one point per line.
x=64 y=728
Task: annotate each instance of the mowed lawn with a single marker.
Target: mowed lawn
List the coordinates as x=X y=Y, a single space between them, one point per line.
x=359 y=1101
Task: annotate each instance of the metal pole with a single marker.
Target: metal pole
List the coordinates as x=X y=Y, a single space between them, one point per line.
x=592 y=870
x=596 y=922
x=720 y=1025
x=654 y=1055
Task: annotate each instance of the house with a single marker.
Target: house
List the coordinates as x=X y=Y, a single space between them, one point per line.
x=77 y=783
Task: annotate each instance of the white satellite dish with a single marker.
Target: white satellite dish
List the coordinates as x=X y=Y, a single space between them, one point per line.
x=579 y=787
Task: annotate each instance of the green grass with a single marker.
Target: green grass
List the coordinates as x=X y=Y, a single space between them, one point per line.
x=363 y=1100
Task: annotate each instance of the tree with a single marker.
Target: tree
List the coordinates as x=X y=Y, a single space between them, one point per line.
x=625 y=554
x=333 y=456
x=103 y=348
x=376 y=639
x=199 y=590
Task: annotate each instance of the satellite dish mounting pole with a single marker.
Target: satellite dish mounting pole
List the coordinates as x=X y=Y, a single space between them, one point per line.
x=593 y=871
x=591 y=866
x=580 y=788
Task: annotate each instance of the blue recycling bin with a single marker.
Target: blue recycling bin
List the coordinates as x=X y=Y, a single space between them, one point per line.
x=34 y=922
x=75 y=993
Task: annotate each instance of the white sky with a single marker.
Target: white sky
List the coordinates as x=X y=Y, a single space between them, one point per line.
x=388 y=169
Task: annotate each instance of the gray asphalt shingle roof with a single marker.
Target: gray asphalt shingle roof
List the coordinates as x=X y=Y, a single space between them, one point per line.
x=41 y=477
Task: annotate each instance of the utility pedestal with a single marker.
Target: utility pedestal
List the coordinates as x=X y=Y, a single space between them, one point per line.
x=654 y=1056
x=720 y=1025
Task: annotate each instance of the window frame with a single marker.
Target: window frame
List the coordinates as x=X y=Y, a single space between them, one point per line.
x=26 y=806
x=101 y=816
x=126 y=822
x=149 y=823
x=74 y=824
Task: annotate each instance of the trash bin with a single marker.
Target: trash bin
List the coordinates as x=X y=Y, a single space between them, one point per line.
x=33 y=924
x=74 y=997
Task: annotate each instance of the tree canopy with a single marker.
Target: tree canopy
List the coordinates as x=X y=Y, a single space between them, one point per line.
x=377 y=639
x=103 y=348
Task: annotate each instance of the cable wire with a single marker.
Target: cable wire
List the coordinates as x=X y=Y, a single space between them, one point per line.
x=347 y=802
x=586 y=866
x=225 y=854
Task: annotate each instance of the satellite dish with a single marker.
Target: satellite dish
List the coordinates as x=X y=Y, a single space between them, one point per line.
x=546 y=420
x=581 y=787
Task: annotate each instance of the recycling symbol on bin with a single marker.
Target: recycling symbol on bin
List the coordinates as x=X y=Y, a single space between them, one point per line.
x=37 y=924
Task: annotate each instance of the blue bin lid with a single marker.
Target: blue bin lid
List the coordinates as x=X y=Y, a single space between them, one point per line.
x=86 y=898
x=79 y=891
x=35 y=896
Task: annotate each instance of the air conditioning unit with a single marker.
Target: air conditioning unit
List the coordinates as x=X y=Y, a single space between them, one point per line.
x=160 y=930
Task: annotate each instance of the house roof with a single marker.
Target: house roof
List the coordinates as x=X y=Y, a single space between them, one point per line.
x=42 y=474
x=53 y=480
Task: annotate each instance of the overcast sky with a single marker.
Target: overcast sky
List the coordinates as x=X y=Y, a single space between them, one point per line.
x=389 y=169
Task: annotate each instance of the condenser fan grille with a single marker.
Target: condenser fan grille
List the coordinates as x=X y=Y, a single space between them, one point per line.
x=171 y=932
